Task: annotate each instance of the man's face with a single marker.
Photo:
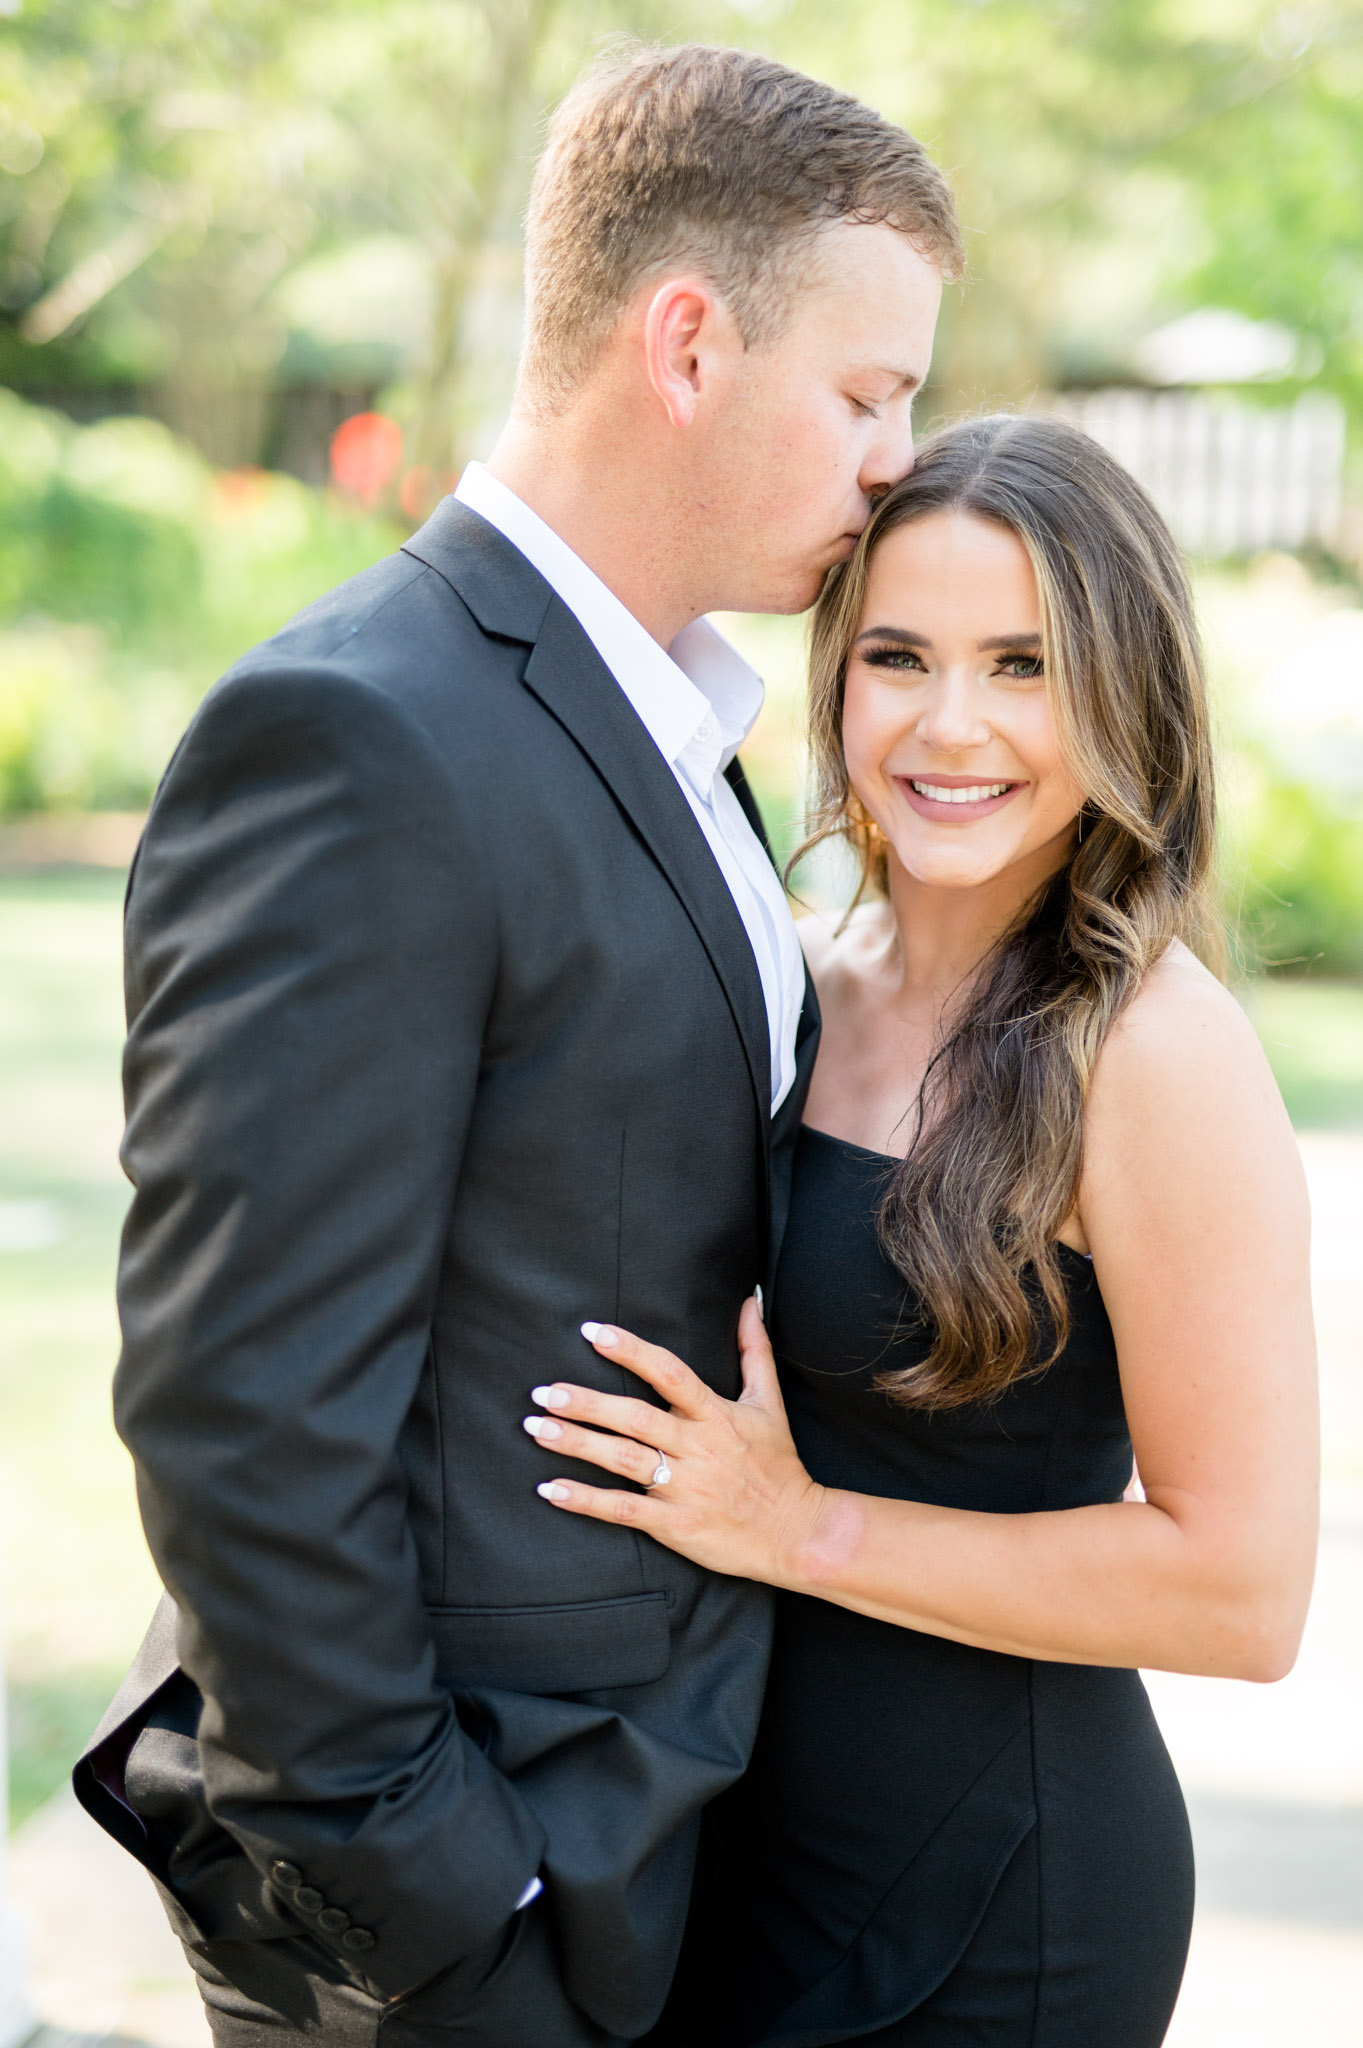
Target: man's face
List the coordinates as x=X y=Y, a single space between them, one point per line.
x=815 y=426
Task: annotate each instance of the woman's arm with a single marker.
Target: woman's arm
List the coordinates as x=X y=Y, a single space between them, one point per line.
x=1194 y=1206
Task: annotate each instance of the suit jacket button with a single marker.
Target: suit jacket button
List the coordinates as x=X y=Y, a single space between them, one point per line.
x=359 y=1939
x=332 y=1920
x=308 y=1899
x=287 y=1876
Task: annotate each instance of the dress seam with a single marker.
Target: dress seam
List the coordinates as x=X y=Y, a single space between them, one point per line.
x=891 y=1884
x=1040 y=1863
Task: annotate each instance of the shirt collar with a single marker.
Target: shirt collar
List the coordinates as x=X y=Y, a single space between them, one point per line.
x=698 y=700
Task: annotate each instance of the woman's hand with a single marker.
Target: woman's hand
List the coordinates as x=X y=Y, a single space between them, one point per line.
x=736 y=1499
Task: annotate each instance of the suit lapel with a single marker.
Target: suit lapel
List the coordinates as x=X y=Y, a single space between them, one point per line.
x=511 y=599
x=506 y=595
x=570 y=679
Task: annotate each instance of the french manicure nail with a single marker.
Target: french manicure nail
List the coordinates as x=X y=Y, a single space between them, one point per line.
x=541 y=1427
x=600 y=1333
x=552 y=1490
x=550 y=1397
x=591 y=1331
x=761 y=1301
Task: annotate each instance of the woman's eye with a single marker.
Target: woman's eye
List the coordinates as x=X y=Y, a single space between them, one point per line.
x=859 y=405
x=1026 y=668
x=892 y=658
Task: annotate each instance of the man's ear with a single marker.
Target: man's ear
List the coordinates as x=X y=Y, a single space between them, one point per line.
x=684 y=322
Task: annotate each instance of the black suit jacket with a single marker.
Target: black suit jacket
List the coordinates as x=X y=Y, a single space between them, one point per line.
x=444 y=1035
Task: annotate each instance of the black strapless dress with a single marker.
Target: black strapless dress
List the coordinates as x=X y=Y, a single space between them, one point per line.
x=938 y=1844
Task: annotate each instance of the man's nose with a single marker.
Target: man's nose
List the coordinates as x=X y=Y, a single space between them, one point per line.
x=889 y=459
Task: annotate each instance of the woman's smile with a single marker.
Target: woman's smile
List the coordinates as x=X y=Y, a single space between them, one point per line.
x=955 y=799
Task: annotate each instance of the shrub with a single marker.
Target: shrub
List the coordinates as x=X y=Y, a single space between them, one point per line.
x=1297 y=876
x=131 y=575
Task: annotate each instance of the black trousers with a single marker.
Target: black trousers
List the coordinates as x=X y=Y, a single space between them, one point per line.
x=265 y=1994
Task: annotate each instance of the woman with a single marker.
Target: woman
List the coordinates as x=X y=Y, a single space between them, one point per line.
x=1046 y=1205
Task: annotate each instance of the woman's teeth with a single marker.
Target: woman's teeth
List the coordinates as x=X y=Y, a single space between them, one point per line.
x=974 y=795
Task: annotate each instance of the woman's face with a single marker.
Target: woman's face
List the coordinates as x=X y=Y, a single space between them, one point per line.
x=947 y=725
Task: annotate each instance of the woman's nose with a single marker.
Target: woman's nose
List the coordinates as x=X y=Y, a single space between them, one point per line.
x=951 y=721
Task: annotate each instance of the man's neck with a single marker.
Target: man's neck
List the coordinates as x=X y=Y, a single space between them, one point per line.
x=605 y=507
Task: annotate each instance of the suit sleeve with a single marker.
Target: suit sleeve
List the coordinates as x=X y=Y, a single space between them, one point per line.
x=312 y=950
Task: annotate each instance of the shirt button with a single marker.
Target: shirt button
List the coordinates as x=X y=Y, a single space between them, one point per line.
x=332 y=1920
x=287 y=1876
x=308 y=1899
x=359 y=1940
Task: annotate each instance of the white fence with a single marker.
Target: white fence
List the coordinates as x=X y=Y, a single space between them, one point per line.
x=1230 y=478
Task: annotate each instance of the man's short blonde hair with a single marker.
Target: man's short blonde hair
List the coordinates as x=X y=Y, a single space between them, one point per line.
x=713 y=159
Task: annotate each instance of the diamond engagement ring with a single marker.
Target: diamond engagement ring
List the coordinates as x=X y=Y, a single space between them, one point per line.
x=662 y=1472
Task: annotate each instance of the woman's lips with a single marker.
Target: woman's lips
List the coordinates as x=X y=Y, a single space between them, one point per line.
x=959 y=801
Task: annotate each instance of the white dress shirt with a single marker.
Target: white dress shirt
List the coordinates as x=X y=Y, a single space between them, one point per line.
x=698 y=701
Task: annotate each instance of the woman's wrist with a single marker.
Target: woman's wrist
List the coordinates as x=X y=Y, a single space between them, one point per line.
x=821 y=1541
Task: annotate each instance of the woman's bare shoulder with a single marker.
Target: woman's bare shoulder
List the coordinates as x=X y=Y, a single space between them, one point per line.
x=1183 y=1071
x=1181 y=1019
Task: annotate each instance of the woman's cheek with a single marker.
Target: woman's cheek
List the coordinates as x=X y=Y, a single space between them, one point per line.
x=1036 y=743
x=865 y=776
x=866 y=743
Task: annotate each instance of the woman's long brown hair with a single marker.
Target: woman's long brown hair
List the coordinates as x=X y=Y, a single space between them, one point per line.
x=970 y=1217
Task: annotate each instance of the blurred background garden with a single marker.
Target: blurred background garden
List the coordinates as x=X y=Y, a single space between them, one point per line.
x=259 y=301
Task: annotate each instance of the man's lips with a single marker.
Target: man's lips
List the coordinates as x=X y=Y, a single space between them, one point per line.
x=955 y=799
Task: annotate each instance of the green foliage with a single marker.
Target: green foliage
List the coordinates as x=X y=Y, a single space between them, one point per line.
x=1116 y=161
x=1300 y=905
x=175 y=162
x=131 y=575
x=1312 y=1032
x=96 y=522
x=1281 y=196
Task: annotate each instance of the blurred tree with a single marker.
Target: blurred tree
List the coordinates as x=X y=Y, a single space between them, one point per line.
x=1120 y=160
x=1280 y=183
x=178 y=178
x=166 y=164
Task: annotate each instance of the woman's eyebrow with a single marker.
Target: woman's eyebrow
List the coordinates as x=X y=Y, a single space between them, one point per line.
x=1015 y=643
x=903 y=636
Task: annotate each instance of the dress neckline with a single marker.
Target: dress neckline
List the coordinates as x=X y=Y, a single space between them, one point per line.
x=896 y=1159
x=847 y=1144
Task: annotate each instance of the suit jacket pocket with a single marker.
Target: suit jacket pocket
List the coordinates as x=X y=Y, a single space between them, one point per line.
x=574 y=1646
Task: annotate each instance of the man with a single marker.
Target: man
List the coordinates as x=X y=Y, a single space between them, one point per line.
x=462 y=997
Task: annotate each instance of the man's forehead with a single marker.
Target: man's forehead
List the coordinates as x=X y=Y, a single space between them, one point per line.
x=871 y=278
x=861 y=247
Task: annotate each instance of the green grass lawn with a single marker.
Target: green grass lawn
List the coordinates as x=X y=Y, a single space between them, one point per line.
x=77 y=1582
